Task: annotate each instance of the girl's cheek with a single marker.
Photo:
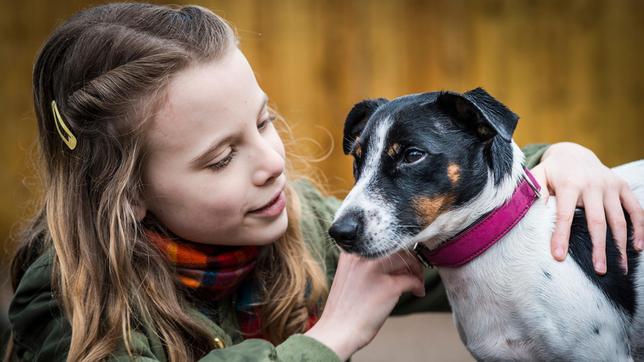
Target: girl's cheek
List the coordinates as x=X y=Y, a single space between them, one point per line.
x=227 y=198
x=226 y=207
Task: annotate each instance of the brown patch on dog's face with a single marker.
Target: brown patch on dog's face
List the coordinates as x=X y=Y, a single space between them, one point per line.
x=454 y=173
x=428 y=208
x=393 y=149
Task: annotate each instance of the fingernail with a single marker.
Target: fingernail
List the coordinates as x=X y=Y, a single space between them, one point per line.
x=600 y=267
x=623 y=264
x=639 y=245
x=559 y=253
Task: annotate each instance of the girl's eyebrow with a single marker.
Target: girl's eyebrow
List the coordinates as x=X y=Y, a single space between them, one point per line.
x=208 y=153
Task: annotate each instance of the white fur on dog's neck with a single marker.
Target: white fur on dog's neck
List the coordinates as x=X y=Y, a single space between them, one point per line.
x=452 y=222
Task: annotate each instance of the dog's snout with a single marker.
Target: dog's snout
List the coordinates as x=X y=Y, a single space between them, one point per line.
x=346 y=229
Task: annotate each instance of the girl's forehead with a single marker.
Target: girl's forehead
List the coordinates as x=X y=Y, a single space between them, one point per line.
x=206 y=100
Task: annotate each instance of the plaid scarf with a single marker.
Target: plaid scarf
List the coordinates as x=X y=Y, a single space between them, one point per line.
x=219 y=272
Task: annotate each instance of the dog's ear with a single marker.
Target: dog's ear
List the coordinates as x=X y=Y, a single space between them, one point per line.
x=480 y=112
x=357 y=120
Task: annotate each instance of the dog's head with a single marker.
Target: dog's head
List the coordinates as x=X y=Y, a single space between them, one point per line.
x=422 y=163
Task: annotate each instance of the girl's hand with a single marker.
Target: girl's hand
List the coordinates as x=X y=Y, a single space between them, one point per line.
x=363 y=294
x=579 y=179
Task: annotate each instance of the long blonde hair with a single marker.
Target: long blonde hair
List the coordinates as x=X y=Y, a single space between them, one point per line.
x=106 y=68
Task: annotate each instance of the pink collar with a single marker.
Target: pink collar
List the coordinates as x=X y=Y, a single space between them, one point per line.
x=478 y=237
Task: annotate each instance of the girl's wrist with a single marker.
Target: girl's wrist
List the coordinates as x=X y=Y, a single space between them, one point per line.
x=565 y=148
x=548 y=151
x=333 y=338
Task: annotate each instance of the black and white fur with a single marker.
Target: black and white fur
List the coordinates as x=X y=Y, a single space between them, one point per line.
x=427 y=166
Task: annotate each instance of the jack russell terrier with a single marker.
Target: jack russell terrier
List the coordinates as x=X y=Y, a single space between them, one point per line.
x=439 y=173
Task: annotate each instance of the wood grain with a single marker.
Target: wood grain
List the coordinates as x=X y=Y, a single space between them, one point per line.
x=572 y=70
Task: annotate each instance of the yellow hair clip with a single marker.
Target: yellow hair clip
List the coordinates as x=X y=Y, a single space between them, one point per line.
x=69 y=140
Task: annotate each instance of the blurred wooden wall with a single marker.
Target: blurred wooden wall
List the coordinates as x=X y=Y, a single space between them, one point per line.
x=571 y=69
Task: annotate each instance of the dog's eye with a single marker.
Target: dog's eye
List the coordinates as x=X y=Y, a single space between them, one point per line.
x=413 y=155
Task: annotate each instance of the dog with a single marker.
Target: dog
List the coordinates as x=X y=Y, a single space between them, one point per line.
x=437 y=167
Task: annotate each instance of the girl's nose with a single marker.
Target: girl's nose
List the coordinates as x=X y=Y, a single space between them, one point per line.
x=270 y=165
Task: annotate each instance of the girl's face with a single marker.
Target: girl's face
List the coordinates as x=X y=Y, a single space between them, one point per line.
x=215 y=167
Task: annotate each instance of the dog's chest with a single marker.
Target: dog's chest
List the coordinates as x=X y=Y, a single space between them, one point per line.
x=485 y=314
x=515 y=302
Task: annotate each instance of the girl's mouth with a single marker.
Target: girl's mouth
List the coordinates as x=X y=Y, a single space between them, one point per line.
x=273 y=208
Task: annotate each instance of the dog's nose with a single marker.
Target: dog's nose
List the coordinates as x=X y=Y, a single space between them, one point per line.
x=346 y=229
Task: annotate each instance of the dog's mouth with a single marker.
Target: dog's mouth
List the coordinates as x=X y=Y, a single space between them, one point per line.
x=379 y=253
x=371 y=250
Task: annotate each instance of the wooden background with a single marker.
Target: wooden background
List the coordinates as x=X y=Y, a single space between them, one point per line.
x=571 y=69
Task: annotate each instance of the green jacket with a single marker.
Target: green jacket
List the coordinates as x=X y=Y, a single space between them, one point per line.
x=42 y=333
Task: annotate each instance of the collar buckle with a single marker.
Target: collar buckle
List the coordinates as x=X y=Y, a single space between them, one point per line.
x=528 y=178
x=421 y=251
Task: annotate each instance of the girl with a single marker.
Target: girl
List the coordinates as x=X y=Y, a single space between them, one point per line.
x=171 y=226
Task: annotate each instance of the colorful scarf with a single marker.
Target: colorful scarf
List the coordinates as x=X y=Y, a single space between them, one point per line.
x=219 y=272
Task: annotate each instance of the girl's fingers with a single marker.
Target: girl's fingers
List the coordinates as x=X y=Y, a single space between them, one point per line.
x=401 y=262
x=617 y=223
x=539 y=173
x=636 y=214
x=566 y=203
x=409 y=283
x=594 y=208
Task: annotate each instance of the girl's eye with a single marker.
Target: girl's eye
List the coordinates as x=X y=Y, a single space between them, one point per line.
x=413 y=155
x=223 y=162
x=263 y=124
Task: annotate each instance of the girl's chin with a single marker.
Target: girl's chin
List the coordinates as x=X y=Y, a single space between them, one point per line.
x=275 y=230
x=251 y=233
